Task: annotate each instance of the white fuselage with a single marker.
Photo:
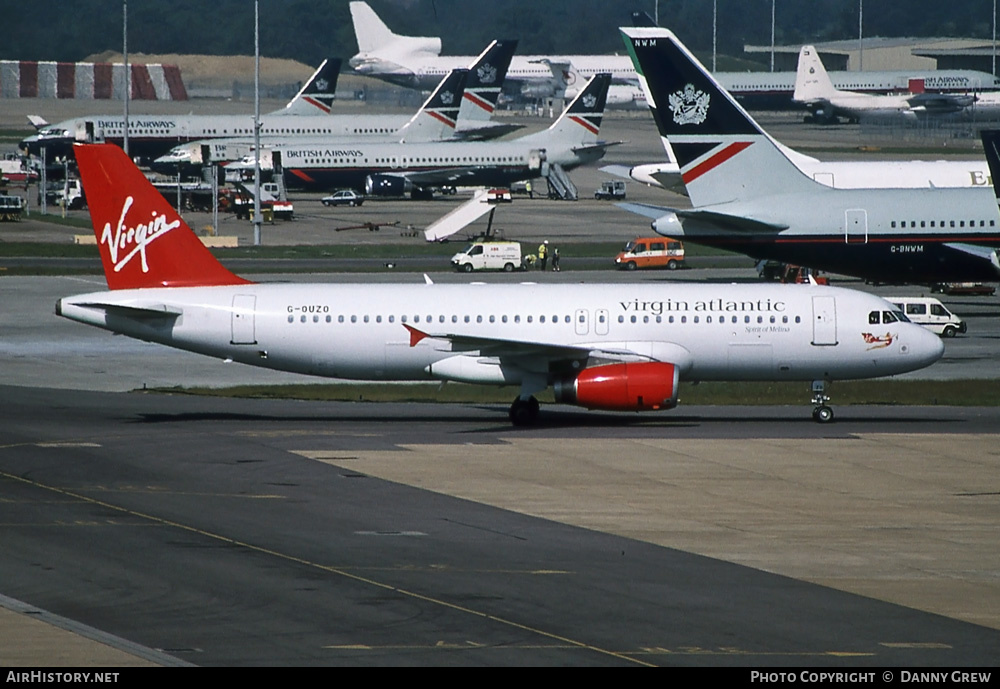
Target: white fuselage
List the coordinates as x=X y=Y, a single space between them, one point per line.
x=499 y=334
x=874 y=174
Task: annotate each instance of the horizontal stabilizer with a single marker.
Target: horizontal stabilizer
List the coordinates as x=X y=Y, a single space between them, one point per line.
x=646 y=210
x=150 y=312
x=730 y=222
x=599 y=146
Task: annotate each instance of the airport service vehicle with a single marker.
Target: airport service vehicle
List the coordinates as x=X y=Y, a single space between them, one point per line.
x=747 y=196
x=930 y=313
x=489 y=255
x=610 y=190
x=10 y=208
x=651 y=252
x=344 y=197
x=968 y=289
x=622 y=347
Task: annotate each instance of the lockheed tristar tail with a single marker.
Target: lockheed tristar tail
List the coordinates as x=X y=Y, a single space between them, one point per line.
x=620 y=347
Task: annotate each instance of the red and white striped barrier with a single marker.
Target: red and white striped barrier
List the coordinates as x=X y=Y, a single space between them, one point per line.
x=89 y=80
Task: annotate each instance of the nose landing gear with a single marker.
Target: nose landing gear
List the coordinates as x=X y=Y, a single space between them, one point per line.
x=822 y=413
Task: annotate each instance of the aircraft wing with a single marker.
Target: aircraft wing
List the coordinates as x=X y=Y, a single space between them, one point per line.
x=598 y=146
x=426 y=178
x=716 y=219
x=504 y=348
x=486 y=131
x=983 y=252
x=939 y=103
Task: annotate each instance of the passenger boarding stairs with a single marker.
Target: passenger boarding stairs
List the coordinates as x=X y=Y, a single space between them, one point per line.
x=560 y=185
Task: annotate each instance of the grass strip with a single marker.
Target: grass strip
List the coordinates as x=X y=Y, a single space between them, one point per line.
x=972 y=393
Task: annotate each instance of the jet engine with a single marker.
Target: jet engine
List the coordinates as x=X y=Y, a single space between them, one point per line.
x=642 y=386
x=387 y=185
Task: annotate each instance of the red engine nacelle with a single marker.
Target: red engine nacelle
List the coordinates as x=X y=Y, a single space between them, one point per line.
x=622 y=387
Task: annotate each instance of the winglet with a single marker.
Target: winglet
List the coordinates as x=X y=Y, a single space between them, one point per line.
x=415 y=335
x=142 y=240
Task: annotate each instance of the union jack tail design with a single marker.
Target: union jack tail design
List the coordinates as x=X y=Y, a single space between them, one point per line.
x=437 y=118
x=586 y=111
x=485 y=81
x=722 y=152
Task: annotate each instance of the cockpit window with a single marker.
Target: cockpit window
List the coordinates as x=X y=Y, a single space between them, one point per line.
x=874 y=318
x=888 y=317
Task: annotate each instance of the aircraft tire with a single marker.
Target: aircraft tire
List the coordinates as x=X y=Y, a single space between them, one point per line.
x=823 y=414
x=524 y=412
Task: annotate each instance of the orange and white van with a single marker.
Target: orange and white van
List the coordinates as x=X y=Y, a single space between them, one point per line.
x=651 y=252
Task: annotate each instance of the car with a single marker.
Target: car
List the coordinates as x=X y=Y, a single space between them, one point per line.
x=344 y=197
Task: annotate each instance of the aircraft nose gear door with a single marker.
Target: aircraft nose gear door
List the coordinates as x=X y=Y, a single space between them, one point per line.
x=824 y=321
x=243 y=319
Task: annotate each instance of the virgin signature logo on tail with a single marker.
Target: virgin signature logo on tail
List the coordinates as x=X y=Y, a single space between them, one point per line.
x=134 y=240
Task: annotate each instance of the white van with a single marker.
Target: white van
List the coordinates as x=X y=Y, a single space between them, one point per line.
x=930 y=313
x=485 y=255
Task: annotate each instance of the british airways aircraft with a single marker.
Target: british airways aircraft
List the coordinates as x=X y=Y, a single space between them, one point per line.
x=621 y=347
x=467 y=116
x=153 y=135
x=750 y=198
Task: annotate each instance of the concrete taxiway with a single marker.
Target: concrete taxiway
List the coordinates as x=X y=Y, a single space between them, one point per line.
x=238 y=532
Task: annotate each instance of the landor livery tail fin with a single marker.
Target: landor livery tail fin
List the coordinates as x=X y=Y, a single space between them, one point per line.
x=438 y=116
x=486 y=77
x=580 y=121
x=723 y=154
x=317 y=96
x=142 y=240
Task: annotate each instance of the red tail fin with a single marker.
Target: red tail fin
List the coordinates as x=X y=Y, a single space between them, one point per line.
x=142 y=240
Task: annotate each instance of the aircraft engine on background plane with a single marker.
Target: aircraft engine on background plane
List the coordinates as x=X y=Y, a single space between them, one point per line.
x=387 y=185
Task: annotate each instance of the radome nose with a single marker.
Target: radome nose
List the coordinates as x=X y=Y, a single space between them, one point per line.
x=929 y=346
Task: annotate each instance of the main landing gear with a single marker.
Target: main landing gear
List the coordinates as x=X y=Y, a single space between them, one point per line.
x=524 y=412
x=822 y=413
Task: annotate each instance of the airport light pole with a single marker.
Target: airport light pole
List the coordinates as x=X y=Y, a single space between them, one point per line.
x=772 y=35
x=715 y=7
x=128 y=80
x=861 y=42
x=256 y=123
